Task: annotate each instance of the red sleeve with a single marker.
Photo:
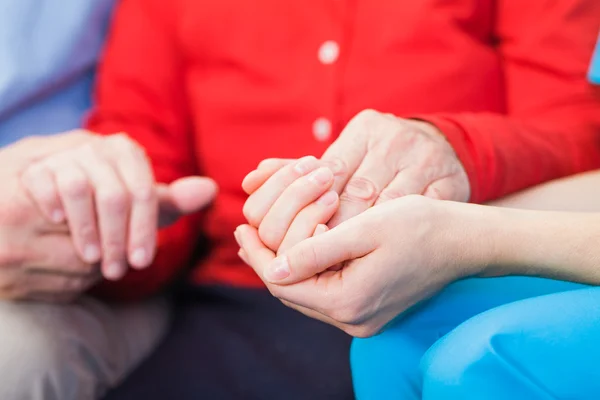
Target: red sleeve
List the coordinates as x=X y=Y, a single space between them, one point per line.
x=552 y=123
x=140 y=92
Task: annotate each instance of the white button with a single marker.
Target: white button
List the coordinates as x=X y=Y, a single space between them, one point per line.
x=329 y=52
x=322 y=129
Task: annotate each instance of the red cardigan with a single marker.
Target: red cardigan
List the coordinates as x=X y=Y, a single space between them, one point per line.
x=213 y=87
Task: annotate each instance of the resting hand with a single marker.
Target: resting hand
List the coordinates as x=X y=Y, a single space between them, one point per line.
x=106 y=192
x=37 y=259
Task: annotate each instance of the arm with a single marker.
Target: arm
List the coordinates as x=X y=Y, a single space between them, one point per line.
x=502 y=242
x=140 y=92
x=552 y=123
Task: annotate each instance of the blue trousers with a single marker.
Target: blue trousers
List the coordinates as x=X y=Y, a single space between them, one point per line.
x=499 y=338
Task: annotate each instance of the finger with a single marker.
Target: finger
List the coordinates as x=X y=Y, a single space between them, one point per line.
x=408 y=181
x=375 y=172
x=48 y=284
x=294 y=199
x=304 y=310
x=56 y=252
x=38 y=181
x=322 y=228
x=313 y=314
x=314 y=255
x=305 y=294
x=259 y=203
x=309 y=222
x=133 y=167
x=184 y=196
x=447 y=189
x=76 y=195
x=264 y=171
x=347 y=152
x=112 y=211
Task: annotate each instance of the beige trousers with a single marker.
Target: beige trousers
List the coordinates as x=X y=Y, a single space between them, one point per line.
x=75 y=351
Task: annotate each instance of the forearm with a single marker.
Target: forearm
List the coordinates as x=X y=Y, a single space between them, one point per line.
x=499 y=241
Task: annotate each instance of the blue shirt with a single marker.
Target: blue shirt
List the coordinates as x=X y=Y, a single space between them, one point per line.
x=594 y=74
x=48 y=52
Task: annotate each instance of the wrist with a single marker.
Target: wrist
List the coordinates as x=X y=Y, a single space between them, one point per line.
x=465 y=239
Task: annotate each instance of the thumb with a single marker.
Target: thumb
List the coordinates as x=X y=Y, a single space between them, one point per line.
x=184 y=196
x=314 y=255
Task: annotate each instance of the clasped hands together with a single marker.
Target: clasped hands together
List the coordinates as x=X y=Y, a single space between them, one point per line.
x=344 y=239
x=341 y=239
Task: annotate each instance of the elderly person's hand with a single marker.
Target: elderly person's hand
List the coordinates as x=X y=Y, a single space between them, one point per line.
x=378 y=157
x=393 y=256
x=37 y=258
x=105 y=191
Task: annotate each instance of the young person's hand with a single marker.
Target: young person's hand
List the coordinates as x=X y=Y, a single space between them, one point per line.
x=393 y=256
x=289 y=199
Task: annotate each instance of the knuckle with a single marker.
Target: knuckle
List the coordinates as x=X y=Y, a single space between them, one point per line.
x=114 y=200
x=269 y=163
x=269 y=235
x=368 y=114
x=145 y=193
x=87 y=230
x=251 y=213
x=31 y=173
x=123 y=142
x=75 y=186
x=363 y=123
x=113 y=248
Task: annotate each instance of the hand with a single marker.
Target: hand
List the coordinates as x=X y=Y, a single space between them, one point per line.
x=294 y=198
x=394 y=256
x=378 y=157
x=105 y=190
x=37 y=259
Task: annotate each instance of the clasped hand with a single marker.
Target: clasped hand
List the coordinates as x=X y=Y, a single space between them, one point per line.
x=320 y=245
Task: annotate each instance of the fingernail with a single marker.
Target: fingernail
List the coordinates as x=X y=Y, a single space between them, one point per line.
x=113 y=271
x=305 y=164
x=328 y=198
x=361 y=188
x=139 y=258
x=321 y=176
x=278 y=269
x=58 y=216
x=91 y=253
